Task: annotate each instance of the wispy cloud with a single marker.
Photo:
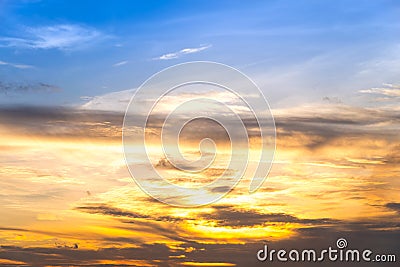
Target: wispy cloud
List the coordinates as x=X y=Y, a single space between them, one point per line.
x=15 y=65
x=114 y=101
x=120 y=63
x=62 y=36
x=182 y=52
x=390 y=90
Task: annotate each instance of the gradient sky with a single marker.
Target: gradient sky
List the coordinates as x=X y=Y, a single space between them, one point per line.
x=329 y=69
x=302 y=50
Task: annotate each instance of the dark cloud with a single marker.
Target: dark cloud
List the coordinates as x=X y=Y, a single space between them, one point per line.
x=225 y=215
x=107 y=210
x=221 y=189
x=13 y=88
x=222 y=215
x=242 y=254
x=228 y=216
x=317 y=126
x=311 y=127
x=116 y=212
x=393 y=157
x=163 y=225
x=12 y=229
x=64 y=256
x=377 y=235
x=393 y=206
x=61 y=122
x=309 y=131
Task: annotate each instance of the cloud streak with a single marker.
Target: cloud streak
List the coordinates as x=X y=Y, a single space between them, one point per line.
x=182 y=52
x=61 y=36
x=15 y=65
x=120 y=63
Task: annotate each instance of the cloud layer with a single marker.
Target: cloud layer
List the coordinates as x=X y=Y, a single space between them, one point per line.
x=335 y=175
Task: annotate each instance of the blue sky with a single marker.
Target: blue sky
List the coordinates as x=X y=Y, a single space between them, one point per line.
x=56 y=52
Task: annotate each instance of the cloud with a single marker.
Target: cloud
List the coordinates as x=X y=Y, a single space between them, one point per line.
x=146 y=222
x=120 y=63
x=12 y=88
x=389 y=90
x=393 y=206
x=200 y=254
x=318 y=125
x=62 y=36
x=228 y=216
x=182 y=52
x=116 y=212
x=137 y=253
x=115 y=101
x=18 y=66
x=62 y=122
x=222 y=215
x=118 y=101
x=111 y=211
x=309 y=127
x=66 y=255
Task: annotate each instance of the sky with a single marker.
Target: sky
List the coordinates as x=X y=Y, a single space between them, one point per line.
x=306 y=49
x=68 y=69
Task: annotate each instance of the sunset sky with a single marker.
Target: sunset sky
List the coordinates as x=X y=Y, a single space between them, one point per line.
x=330 y=71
